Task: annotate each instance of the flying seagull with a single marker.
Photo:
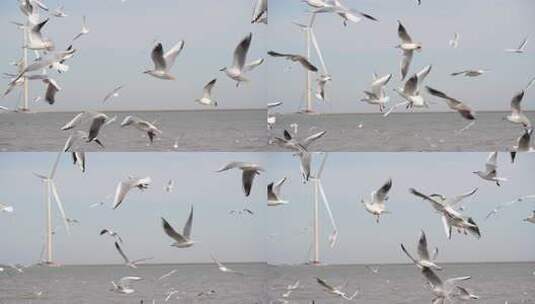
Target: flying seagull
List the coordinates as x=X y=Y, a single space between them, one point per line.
x=78 y=158
x=469 y=73
x=408 y=47
x=142 y=125
x=52 y=88
x=239 y=67
x=531 y=218
x=523 y=144
x=441 y=290
x=273 y=193
x=521 y=48
x=6 y=208
x=113 y=234
x=424 y=260
x=291 y=143
x=59 y=12
x=491 y=170
x=411 y=91
x=98 y=121
x=508 y=204
x=163 y=62
x=128 y=262
x=465 y=295
x=335 y=6
x=377 y=95
x=453 y=201
x=376 y=204
x=125 y=186
x=295 y=58
x=260 y=12
x=83 y=31
x=206 y=98
x=336 y=290
x=249 y=171
x=181 y=240
x=453 y=103
x=35 y=38
x=517 y=116
x=123 y=286
x=113 y=94
x=222 y=267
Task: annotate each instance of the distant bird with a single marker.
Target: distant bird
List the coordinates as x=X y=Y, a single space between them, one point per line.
x=470 y=73
x=450 y=217
x=239 y=67
x=78 y=158
x=73 y=123
x=273 y=193
x=170 y=186
x=508 y=204
x=411 y=92
x=123 y=286
x=408 y=47
x=289 y=142
x=206 y=98
x=6 y=208
x=377 y=95
x=465 y=295
x=249 y=171
x=521 y=48
x=260 y=12
x=531 y=218
x=83 y=31
x=454 y=43
x=125 y=186
x=374 y=270
x=376 y=204
x=491 y=170
x=113 y=234
x=128 y=262
x=52 y=88
x=322 y=82
x=454 y=104
x=181 y=240
x=59 y=12
x=336 y=290
x=142 y=125
x=222 y=267
x=35 y=38
x=295 y=58
x=163 y=62
x=424 y=259
x=441 y=290
x=113 y=94
x=523 y=144
x=517 y=116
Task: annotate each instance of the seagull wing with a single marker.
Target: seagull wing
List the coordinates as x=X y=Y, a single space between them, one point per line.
x=405 y=63
x=172 y=233
x=378 y=84
x=515 y=102
x=454 y=201
x=51 y=90
x=252 y=65
x=422 y=247
x=411 y=85
x=247 y=180
x=312 y=138
x=422 y=74
x=409 y=255
x=492 y=161
x=380 y=195
x=324 y=284
x=271 y=195
x=277 y=186
x=240 y=53
x=431 y=277
x=170 y=56
x=187 y=227
x=125 y=258
x=437 y=205
x=120 y=193
x=207 y=91
x=402 y=33
x=73 y=122
x=158 y=58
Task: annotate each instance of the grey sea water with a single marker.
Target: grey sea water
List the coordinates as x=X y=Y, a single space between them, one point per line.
x=495 y=283
x=404 y=132
x=227 y=130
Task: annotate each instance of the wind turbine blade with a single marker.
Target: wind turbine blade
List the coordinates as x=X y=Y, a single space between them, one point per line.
x=332 y=237
x=318 y=51
x=322 y=166
x=60 y=206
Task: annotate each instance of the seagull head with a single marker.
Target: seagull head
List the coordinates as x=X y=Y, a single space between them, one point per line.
x=223 y=69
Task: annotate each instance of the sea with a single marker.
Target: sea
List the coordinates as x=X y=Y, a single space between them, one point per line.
x=494 y=283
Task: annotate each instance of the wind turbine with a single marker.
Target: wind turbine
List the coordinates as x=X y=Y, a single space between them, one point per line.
x=51 y=192
x=318 y=191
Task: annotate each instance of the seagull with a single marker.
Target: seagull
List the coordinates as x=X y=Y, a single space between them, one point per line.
x=377 y=96
x=451 y=202
x=98 y=121
x=113 y=94
x=517 y=116
x=113 y=234
x=170 y=273
x=335 y=6
x=335 y=290
x=83 y=31
x=465 y=295
x=206 y=98
x=35 y=39
x=163 y=62
x=273 y=192
x=260 y=12
x=305 y=159
x=521 y=48
x=424 y=259
x=531 y=218
x=376 y=205
x=78 y=158
x=125 y=186
x=170 y=186
x=507 y=204
x=450 y=217
x=222 y=267
x=441 y=290
x=271 y=118
x=294 y=286
x=290 y=143
x=523 y=144
x=142 y=125
x=408 y=47
x=239 y=67
x=51 y=90
x=491 y=170
x=470 y=73
x=58 y=12
x=411 y=92
x=181 y=240
x=131 y=264
x=453 y=103
x=6 y=208
x=249 y=171
x=46 y=62
x=123 y=286
x=322 y=81
x=295 y=58
x=454 y=43
x=374 y=270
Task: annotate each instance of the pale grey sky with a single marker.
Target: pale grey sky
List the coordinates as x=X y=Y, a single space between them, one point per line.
x=348 y=177
x=122 y=35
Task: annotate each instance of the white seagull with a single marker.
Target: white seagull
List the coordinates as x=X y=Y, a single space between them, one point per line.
x=408 y=47
x=6 y=208
x=523 y=144
x=98 y=121
x=142 y=125
x=73 y=123
x=35 y=38
x=52 y=88
x=289 y=142
x=377 y=95
x=273 y=193
x=517 y=116
x=181 y=240
x=411 y=91
x=123 y=286
x=465 y=295
x=376 y=204
x=239 y=67
x=113 y=94
x=453 y=201
x=521 y=48
x=163 y=62
x=59 y=12
x=206 y=98
x=491 y=170
x=531 y=218
x=295 y=58
x=260 y=12
x=222 y=267
x=424 y=259
x=469 y=73
x=249 y=171
x=125 y=186
x=112 y=233
x=454 y=104
x=83 y=31
x=127 y=262
x=335 y=290
x=441 y=290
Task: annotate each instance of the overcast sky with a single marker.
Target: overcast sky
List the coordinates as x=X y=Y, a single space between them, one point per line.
x=276 y=235
x=122 y=34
